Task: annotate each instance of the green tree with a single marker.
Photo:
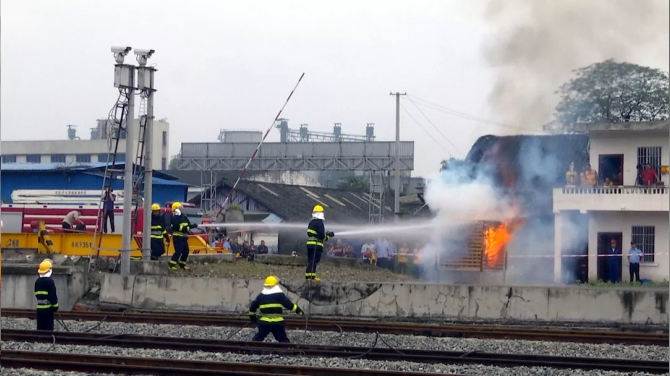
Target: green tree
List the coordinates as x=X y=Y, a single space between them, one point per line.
x=173 y=162
x=613 y=92
x=355 y=183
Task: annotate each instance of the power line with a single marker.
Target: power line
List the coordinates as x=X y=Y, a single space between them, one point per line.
x=431 y=123
x=432 y=138
x=463 y=115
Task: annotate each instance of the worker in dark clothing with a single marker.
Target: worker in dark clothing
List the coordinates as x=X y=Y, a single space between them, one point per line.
x=158 y=232
x=271 y=301
x=316 y=235
x=45 y=293
x=180 y=226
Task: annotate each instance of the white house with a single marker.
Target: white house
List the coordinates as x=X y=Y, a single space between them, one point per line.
x=626 y=212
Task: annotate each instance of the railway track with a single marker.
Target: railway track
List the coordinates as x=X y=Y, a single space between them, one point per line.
x=162 y=366
x=371 y=353
x=367 y=326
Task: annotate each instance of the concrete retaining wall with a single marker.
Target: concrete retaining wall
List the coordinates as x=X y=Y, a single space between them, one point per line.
x=18 y=285
x=406 y=300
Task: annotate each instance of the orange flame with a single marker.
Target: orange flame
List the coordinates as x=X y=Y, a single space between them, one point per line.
x=495 y=240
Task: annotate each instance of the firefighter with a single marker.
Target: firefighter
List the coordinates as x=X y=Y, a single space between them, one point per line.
x=316 y=235
x=158 y=232
x=180 y=226
x=45 y=293
x=271 y=301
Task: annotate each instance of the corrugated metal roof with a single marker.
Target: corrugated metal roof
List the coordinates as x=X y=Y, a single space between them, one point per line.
x=19 y=167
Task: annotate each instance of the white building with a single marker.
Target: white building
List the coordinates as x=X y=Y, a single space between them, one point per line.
x=96 y=149
x=627 y=212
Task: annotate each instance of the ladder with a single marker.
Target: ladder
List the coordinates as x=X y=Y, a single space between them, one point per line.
x=138 y=166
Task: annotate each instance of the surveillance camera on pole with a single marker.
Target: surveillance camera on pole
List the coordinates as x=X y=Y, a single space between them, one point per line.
x=120 y=53
x=142 y=56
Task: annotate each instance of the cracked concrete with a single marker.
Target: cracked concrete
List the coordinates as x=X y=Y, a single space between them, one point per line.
x=398 y=300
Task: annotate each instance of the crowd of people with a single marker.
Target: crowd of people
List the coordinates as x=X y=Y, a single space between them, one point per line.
x=647 y=175
x=402 y=257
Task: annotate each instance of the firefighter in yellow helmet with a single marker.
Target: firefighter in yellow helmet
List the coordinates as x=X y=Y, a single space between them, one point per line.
x=45 y=293
x=271 y=302
x=181 y=227
x=158 y=232
x=316 y=235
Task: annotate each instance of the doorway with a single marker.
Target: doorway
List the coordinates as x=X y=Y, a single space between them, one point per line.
x=610 y=169
x=609 y=263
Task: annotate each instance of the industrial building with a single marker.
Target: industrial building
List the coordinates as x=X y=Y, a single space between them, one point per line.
x=624 y=211
x=75 y=150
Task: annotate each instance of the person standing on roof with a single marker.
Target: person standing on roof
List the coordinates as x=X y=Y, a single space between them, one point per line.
x=181 y=227
x=316 y=235
x=271 y=301
x=45 y=293
x=158 y=232
x=108 y=199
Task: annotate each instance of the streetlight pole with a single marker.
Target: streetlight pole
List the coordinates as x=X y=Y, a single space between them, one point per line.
x=396 y=164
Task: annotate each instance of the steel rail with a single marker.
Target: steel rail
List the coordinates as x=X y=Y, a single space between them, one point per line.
x=374 y=353
x=51 y=361
x=367 y=326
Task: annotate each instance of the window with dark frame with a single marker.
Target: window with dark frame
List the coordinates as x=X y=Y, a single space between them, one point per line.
x=650 y=155
x=57 y=158
x=83 y=158
x=644 y=237
x=10 y=158
x=163 y=164
x=33 y=158
x=164 y=138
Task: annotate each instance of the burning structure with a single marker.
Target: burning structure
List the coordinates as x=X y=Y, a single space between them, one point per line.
x=503 y=189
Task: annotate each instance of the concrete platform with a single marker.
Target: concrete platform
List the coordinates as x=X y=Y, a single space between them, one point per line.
x=18 y=284
x=399 y=299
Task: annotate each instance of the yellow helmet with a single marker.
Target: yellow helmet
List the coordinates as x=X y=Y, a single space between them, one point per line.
x=271 y=281
x=317 y=209
x=176 y=205
x=155 y=207
x=45 y=266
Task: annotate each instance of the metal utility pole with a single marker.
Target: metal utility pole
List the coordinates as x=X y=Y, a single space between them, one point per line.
x=145 y=83
x=124 y=79
x=396 y=164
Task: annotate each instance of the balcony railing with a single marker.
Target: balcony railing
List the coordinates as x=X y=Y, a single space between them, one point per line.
x=615 y=190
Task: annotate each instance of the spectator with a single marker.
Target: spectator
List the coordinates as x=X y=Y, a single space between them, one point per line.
x=649 y=176
x=71 y=220
x=108 y=199
x=608 y=182
x=618 y=178
x=336 y=249
x=613 y=262
x=235 y=247
x=383 y=248
x=226 y=244
x=571 y=175
x=252 y=247
x=348 y=250
x=638 y=177
x=416 y=260
x=403 y=258
x=589 y=176
x=262 y=248
x=634 y=258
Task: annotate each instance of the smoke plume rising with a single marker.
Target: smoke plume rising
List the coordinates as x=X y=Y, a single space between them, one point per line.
x=534 y=46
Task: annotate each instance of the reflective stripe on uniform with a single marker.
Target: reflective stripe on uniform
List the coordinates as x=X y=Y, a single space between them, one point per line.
x=270 y=319
x=41 y=292
x=270 y=305
x=310 y=231
x=295 y=307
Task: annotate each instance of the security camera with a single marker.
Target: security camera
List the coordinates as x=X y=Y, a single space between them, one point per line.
x=143 y=55
x=120 y=53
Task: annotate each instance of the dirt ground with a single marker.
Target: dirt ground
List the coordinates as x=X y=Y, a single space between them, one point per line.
x=327 y=272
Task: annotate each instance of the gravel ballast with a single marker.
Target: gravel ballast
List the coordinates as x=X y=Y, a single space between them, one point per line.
x=467 y=369
x=365 y=339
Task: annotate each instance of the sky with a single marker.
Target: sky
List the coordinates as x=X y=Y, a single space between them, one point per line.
x=230 y=64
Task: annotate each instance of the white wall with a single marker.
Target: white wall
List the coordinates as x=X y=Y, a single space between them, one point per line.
x=73 y=147
x=626 y=143
x=623 y=222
